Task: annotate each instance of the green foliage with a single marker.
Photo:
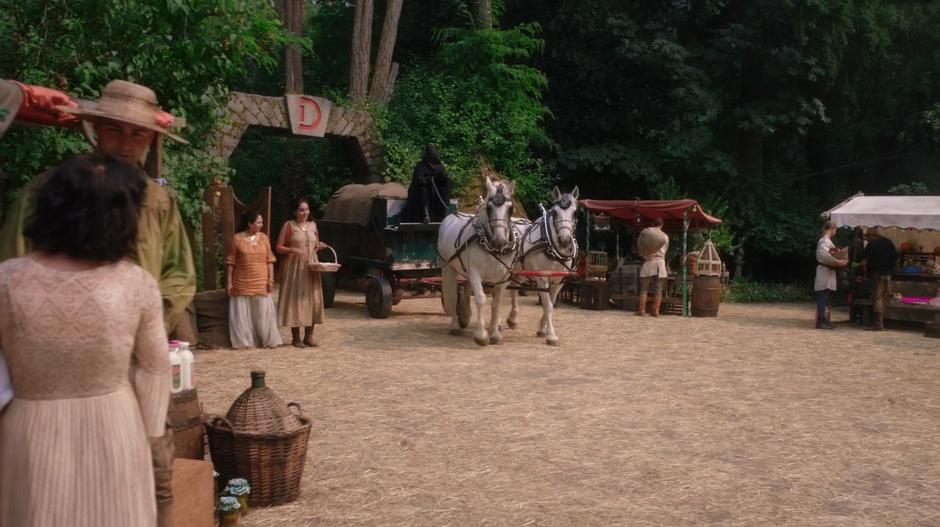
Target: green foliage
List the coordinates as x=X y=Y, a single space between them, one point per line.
x=750 y=104
x=915 y=188
x=474 y=100
x=186 y=50
x=292 y=167
x=742 y=291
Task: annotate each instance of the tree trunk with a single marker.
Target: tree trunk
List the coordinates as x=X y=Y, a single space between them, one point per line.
x=392 y=77
x=292 y=14
x=383 y=61
x=361 y=50
x=486 y=13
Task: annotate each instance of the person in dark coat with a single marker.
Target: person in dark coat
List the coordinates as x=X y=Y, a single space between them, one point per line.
x=429 y=192
x=880 y=257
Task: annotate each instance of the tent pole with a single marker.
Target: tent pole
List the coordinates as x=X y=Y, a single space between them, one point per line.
x=685 y=267
x=587 y=235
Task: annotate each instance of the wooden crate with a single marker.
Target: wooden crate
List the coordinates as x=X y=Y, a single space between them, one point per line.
x=595 y=294
x=193 y=493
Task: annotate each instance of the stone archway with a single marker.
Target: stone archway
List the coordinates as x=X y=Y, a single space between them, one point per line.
x=248 y=109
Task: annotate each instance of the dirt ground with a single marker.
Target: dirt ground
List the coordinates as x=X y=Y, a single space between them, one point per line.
x=749 y=419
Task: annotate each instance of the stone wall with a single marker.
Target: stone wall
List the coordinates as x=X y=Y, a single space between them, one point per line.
x=247 y=109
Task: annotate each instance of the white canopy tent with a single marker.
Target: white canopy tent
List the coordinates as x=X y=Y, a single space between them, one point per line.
x=903 y=212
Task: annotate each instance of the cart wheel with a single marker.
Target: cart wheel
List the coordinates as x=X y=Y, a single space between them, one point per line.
x=328 y=285
x=463 y=307
x=397 y=296
x=379 y=297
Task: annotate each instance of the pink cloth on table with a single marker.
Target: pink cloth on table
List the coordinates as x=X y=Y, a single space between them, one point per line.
x=916 y=300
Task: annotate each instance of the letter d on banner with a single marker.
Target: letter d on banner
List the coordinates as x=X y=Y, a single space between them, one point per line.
x=308 y=115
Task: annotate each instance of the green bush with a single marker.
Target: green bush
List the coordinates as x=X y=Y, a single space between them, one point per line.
x=744 y=291
x=474 y=100
x=187 y=51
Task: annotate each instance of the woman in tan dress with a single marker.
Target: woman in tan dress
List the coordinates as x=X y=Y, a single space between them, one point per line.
x=81 y=330
x=300 y=301
x=252 y=321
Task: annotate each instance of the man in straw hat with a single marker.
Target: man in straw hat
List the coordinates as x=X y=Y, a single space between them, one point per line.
x=652 y=244
x=127 y=123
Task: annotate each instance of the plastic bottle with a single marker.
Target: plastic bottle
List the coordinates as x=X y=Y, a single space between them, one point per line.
x=187 y=358
x=176 y=368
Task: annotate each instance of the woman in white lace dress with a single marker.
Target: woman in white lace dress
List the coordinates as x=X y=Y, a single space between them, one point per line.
x=81 y=330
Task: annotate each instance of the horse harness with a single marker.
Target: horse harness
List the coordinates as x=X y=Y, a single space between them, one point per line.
x=481 y=236
x=554 y=253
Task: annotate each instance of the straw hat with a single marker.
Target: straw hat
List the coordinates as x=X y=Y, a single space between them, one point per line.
x=126 y=102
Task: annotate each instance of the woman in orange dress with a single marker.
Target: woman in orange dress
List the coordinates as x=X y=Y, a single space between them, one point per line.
x=252 y=321
x=300 y=300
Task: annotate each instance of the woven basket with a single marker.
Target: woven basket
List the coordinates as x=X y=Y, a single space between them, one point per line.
x=264 y=440
x=326 y=267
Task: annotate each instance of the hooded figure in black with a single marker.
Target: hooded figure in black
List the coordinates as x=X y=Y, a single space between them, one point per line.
x=429 y=193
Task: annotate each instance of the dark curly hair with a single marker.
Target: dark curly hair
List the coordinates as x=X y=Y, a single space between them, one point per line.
x=248 y=217
x=88 y=209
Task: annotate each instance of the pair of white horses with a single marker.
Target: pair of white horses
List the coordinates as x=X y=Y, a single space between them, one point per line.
x=489 y=248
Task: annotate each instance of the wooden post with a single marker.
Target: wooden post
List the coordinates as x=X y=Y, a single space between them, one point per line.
x=685 y=268
x=210 y=238
x=154 y=162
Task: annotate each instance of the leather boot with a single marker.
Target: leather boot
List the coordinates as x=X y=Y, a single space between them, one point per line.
x=427 y=216
x=641 y=307
x=161 y=450
x=295 y=338
x=309 y=341
x=878 y=322
x=657 y=303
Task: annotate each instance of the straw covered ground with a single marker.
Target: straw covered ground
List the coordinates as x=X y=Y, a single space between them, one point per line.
x=748 y=419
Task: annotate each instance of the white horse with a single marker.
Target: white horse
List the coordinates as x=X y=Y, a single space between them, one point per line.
x=482 y=249
x=548 y=244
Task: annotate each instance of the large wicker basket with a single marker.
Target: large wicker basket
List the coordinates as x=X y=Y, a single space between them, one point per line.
x=261 y=439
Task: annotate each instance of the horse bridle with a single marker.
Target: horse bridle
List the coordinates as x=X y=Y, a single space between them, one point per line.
x=485 y=231
x=552 y=226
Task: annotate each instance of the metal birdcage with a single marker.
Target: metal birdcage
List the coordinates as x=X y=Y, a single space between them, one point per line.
x=596 y=265
x=708 y=262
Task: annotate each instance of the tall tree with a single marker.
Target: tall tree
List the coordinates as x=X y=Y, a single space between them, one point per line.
x=361 y=50
x=292 y=15
x=485 y=13
x=385 y=71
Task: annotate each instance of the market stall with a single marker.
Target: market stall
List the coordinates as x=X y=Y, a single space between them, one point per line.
x=912 y=223
x=679 y=217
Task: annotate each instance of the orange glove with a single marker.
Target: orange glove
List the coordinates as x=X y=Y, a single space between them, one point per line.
x=38 y=106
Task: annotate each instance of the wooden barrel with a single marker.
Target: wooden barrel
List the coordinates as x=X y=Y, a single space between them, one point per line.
x=706 y=296
x=186 y=419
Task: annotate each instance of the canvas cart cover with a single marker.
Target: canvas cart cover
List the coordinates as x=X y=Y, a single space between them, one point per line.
x=641 y=212
x=905 y=212
x=353 y=203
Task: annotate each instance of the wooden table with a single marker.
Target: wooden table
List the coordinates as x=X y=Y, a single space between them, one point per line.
x=928 y=314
